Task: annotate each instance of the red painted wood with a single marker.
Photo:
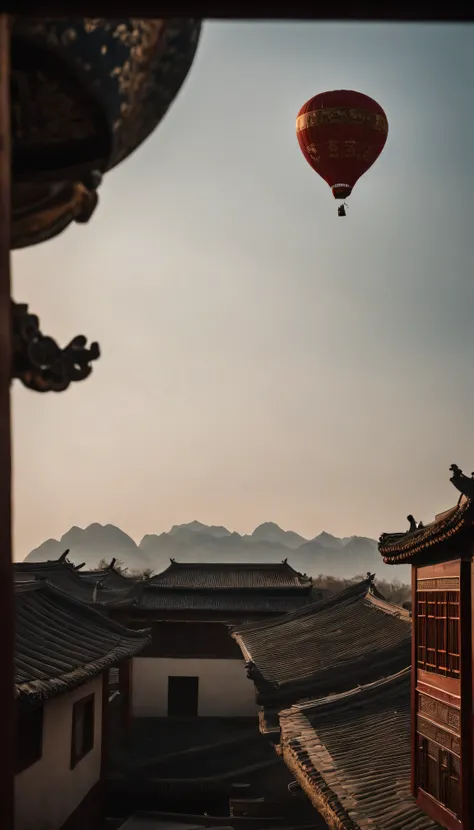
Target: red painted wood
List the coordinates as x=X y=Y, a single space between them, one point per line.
x=413 y=679
x=439 y=813
x=465 y=635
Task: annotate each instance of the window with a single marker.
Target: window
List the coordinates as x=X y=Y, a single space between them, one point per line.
x=183 y=695
x=82 y=729
x=29 y=737
x=438 y=632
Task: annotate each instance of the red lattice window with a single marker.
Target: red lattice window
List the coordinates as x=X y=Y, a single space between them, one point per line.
x=439 y=774
x=438 y=641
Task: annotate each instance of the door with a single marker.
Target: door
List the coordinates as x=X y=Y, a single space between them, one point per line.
x=183 y=696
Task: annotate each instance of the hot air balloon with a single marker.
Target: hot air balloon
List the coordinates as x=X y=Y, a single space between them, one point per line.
x=341 y=134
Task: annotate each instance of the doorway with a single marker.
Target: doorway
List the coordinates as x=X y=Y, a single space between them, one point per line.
x=183 y=696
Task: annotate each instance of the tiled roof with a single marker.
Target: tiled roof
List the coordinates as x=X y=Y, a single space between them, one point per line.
x=108 y=578
x=64 y=577
x=162 y=599
x=351 y=755
x=231 y=576
x=61 y=642
x=434 y=540
x=327 y=647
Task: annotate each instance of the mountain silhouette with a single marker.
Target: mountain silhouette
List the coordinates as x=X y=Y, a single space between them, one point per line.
x=197 y=542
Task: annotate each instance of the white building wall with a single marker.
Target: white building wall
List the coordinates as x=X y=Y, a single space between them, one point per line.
x=49 y=791
x=224 y=689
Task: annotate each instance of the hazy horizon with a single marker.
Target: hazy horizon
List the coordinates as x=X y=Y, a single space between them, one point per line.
x=263 y=360
x=139 y=538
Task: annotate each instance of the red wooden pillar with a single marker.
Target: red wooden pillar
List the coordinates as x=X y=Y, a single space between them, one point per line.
x=6 y=568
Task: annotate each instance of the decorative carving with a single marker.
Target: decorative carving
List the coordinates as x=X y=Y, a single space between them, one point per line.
x=435 y=733
x=440 y=712
x=40 y=363
x=438 y=774
x=461 y=482
x=443 y=583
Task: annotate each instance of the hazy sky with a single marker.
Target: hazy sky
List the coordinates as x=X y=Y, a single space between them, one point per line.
x=263 y=359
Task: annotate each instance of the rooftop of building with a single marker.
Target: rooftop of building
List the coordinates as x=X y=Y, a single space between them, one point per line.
x=238 y=576
x=108 y=577
x=350 y=638
x=441 y=538
x=351 y=754
x=61 y=642
x=65 y=577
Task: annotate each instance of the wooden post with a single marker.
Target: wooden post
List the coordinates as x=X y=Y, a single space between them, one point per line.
x=125 y=675
x=6 y=569
x=104 y=748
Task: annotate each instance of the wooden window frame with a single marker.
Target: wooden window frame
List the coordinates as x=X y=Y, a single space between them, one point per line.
x=88 y=740
x=24 y=760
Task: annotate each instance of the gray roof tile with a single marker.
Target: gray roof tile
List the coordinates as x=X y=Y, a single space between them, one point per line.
x=326 y=647
x=351 y=754
x=61 y=642
x=231 y=576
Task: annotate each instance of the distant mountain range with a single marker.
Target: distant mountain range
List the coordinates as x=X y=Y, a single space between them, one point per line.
x=197 y=542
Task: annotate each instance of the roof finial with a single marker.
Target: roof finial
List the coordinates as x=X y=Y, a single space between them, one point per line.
x=463 y=483
x=78 y=567
x=111 y=566
x=172 y=560
x=412 y=521
x=284 y=561
x=63 y=556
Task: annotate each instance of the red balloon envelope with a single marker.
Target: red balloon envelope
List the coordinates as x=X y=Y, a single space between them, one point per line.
x=341 y=134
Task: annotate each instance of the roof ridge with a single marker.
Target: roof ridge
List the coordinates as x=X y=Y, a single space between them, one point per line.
x=251 y=565
x=388 y=607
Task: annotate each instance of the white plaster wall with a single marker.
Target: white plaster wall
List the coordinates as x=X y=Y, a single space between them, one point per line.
x=224 y=689
x=49 y=791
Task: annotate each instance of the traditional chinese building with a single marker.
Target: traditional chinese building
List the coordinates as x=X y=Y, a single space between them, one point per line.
x=63 y=654
x=108 y=591
x=333 y=680
x=192 y=665
x=440 y=554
